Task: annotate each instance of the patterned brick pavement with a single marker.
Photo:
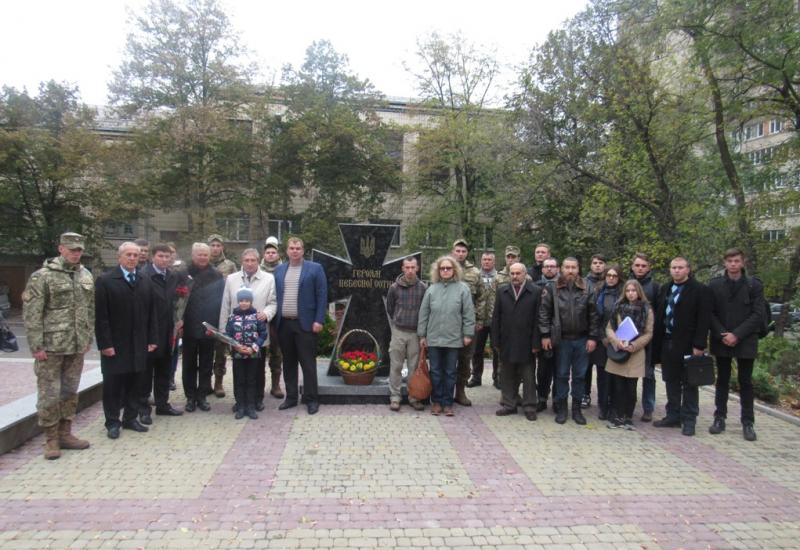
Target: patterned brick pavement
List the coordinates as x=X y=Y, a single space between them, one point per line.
x=365 y=477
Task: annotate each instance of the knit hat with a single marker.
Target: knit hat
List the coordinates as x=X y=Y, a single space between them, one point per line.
x=244 y=294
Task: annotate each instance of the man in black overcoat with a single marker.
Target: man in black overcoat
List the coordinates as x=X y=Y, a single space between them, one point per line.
x=683 y=314
x=156 y=377
x=516 y=334
x=126 y=328
x=736 y=320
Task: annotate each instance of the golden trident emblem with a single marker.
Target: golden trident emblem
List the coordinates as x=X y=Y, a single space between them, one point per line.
x=367 y=246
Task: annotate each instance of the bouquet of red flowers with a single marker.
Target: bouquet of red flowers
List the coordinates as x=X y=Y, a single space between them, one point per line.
x=182 y=291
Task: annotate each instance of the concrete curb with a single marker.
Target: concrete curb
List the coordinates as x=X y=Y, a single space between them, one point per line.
x=18 y=419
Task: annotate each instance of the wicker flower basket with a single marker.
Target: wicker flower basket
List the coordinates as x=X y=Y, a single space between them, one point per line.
x=363 y=377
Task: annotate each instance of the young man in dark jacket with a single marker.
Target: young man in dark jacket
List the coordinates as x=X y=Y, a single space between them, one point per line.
x=736 y=319
x=682 y=316
x=568 y=321
x=641 y=271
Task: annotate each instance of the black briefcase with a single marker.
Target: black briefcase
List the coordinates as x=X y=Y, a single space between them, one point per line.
x=699 y=370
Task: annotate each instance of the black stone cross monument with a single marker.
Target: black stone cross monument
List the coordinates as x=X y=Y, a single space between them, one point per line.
x=363 y=279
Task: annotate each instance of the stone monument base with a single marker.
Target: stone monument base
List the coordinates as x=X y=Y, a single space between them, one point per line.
x=333 y=390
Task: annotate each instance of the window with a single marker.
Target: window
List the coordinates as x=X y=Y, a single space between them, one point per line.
x=761 y=156
x=752 y=131
x=119 y=230
x=234 y=229
x=775 y=126
x=773 y=235
x=281 y=229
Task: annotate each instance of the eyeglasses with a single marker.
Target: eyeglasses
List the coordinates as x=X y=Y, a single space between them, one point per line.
x=445 y=268
x=612 y=276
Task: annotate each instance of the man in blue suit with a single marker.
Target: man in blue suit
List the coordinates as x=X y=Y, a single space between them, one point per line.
x=302 y=290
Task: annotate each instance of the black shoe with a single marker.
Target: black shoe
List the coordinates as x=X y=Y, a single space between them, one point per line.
x=615 y=423
x=473 y=382
x=203 y=405
x=145 y=419
x=169 y=410
x=629 y=425
x=135 y=426
x=251 y=413
x=190 y=407
x=561 y=412
x=667 y=422
x=586 y=402
x=259 y=406
x=577 y=415
x=239 y=414
x=530 y=415
x=505 y=411
x=313 y=407
x=688 y=429
x=113 y=432
x=647 y=417
x=287 y=405
x=749 y=432
x=541 y=406
x=718 y=426
x=603 y=415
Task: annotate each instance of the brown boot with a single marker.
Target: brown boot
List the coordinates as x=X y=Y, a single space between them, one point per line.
x=219 y=391
x=68 y=441
x=276 y=385
x=461 y=396
x=52 y=450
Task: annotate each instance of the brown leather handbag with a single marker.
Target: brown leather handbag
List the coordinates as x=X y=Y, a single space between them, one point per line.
x=419 y=384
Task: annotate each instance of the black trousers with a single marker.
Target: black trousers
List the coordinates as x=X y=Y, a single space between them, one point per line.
x=298 y=346
x=545 y=366
x=481 y=338
x=245 y=379
x=683 y=399
x=511 y=375
x=598 y=358
x=120 y=392
x=155 y=379
x=198 y=362
x=744 y=368
x=623 y=390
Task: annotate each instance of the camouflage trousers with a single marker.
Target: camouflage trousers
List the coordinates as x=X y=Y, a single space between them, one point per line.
x=220 y=358
x=464 y=360
x=57 y=381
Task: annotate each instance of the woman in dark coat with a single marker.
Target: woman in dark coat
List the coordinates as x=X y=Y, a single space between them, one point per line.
x=608 y=293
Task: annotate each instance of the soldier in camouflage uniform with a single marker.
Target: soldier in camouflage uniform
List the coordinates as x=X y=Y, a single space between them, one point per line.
x=58 y=310
x=472 y=278
x=226 y=267
x=270 y=261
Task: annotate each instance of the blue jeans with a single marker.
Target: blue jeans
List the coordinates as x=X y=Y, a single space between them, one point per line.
x=572 y=359
x=649 y=390
x=444 y=364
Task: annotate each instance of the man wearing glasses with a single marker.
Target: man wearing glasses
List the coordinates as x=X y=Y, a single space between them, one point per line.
x=546 y=360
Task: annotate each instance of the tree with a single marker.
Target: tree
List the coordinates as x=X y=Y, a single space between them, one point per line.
x=330 y=147
x=185 y=81
x=467 y=154
x=51 y=172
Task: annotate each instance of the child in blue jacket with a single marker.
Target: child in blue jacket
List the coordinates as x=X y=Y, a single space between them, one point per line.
x=244 y=327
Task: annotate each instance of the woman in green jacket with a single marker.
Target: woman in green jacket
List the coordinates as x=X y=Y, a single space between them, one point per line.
x=446 y=324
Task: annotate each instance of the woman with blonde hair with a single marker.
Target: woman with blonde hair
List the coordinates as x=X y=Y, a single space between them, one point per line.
x=624 y=374
x=446 y=324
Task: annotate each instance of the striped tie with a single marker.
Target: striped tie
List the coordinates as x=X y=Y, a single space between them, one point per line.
x=673 y=298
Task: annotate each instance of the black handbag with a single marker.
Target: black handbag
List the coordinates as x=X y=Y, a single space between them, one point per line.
x=617 y=355
x=699 y=370
x=8 y=342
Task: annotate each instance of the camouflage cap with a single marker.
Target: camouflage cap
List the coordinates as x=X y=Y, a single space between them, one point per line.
x=72 y=241
x=461 y=242
x=215 y=237
x=512 y=250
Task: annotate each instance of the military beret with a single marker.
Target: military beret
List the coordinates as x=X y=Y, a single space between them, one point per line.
x=72 y=241
x=512 y=250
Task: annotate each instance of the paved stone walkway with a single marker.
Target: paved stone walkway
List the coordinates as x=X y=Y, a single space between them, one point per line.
x=365 y=477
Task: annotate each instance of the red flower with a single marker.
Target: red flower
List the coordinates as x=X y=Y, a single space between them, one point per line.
x=182 y=291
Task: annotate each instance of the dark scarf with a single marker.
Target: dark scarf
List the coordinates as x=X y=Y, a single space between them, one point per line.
x=637 y=311
x=601 y=297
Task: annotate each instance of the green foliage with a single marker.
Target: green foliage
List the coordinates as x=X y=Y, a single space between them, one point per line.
x=776 y=372
x=327 y=337
x=51 y=168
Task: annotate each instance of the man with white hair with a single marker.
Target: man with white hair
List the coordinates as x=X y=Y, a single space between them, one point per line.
x=262 y=285
x=205 y=300
x=126 y=328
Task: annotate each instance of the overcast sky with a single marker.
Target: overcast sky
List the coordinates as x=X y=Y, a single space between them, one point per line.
x=81 y=41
